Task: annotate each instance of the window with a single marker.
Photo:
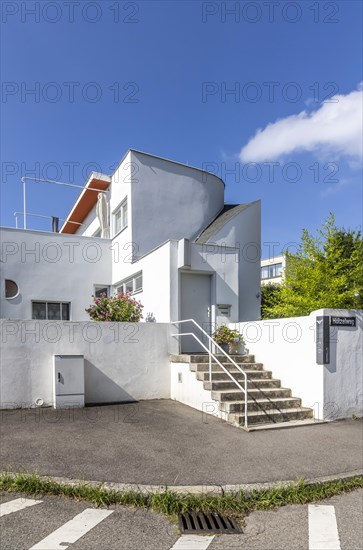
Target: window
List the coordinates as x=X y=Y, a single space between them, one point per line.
x=11 y=289
x=120 y=218
x=271 y=271
x=53 y=311
x=101 y=289
x=97 y=233
x=132 y=284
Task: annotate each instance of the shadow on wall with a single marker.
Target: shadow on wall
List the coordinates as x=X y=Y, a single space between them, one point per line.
x=100 y=389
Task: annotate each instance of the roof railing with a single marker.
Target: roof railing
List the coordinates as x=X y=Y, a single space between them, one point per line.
x=16 y=214
x=23 y=181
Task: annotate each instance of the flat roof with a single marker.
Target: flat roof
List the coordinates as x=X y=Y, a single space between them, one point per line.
x=88 y=198
x=85 y=202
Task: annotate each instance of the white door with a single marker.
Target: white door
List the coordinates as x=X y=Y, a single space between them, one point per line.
x=68 y=379
x=195 y=302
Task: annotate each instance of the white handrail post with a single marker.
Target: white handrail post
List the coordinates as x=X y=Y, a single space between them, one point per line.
x=246 y=398
x=212 y=345
x=210 y=362
x=24 y=203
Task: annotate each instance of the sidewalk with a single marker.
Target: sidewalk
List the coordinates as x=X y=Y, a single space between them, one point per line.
x=165 y=443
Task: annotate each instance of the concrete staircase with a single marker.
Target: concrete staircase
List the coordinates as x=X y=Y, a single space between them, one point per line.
x=269 y=405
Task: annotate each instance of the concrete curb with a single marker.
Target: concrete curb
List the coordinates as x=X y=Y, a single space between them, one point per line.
x=207 y=490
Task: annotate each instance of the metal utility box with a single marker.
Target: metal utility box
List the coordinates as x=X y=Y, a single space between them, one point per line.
x=68 y=381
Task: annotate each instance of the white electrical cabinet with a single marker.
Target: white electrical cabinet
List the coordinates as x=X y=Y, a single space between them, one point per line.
x=68 y=381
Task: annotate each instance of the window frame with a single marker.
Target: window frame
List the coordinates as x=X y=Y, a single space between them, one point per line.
x=46 y=302
x=271 y=270
x=17 y=292
x=121 y=285
x=120 y=209
x=101 y=287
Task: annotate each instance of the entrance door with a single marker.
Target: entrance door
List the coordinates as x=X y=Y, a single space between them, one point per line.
x=195 y=300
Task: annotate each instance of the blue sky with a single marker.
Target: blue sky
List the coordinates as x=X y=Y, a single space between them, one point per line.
x=155 y=76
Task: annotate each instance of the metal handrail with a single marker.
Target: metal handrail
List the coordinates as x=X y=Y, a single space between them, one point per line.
x=212 y=356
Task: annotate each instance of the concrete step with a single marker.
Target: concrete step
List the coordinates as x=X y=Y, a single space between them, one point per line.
x=237 y=395
x=252 y=383
x=222 y=358
x=220 y=375
x=204 y=367
x=260 y=417
x=261 y=404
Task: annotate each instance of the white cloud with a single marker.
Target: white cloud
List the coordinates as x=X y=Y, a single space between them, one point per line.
x=336 y=127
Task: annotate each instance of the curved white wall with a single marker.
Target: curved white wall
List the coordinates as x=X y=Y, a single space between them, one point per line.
x=170 y=201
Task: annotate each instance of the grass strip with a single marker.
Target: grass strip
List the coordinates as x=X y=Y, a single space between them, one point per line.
x=236 y=504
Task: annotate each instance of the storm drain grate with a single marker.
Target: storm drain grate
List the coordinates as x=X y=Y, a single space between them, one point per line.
x=192 y=522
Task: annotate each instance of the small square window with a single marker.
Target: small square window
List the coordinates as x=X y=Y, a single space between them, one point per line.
x=65 y=312
x=54 y=311
x=99 y=290
x=138 y=282
x=39 y=310
x=129 y=287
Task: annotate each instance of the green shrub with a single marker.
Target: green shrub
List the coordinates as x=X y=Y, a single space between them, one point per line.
x=120 y=308
x=225 y=335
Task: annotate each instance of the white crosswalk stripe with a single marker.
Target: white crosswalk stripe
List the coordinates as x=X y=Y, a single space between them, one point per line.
x=323 y=529
x=192 y=542
x=73 y=530
x=16 y=505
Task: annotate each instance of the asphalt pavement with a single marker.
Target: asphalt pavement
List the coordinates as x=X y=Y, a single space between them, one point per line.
x=53 y=522
x=163 y=442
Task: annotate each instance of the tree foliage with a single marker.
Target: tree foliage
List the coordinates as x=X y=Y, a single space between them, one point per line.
x=269 y=297
x=326 y=272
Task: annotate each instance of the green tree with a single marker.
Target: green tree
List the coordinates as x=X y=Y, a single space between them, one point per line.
x=269 y=297
x=326 y=272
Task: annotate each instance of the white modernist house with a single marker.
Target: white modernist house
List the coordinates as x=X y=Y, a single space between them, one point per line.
x=156 y=228
x=162 y=231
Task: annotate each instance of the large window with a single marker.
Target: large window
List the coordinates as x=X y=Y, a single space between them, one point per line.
x=131 y=284
x=271 y=271
x=54 y=311
x=120 y=218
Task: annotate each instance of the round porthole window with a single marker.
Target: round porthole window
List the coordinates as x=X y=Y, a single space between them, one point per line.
x=11 y=289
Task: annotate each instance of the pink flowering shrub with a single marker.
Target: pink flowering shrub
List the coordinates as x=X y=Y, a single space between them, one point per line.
x=121 y=307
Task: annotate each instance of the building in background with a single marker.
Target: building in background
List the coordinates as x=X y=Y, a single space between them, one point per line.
x=272 y=270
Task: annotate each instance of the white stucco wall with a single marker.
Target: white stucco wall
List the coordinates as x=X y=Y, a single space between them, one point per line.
x=223 y=261
x=186 y=389
x=171 y=201
x=123 y=361
x=244 y=232
x=156 y=273
x=343 y=377
x=287 y=347
x=52 y=267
